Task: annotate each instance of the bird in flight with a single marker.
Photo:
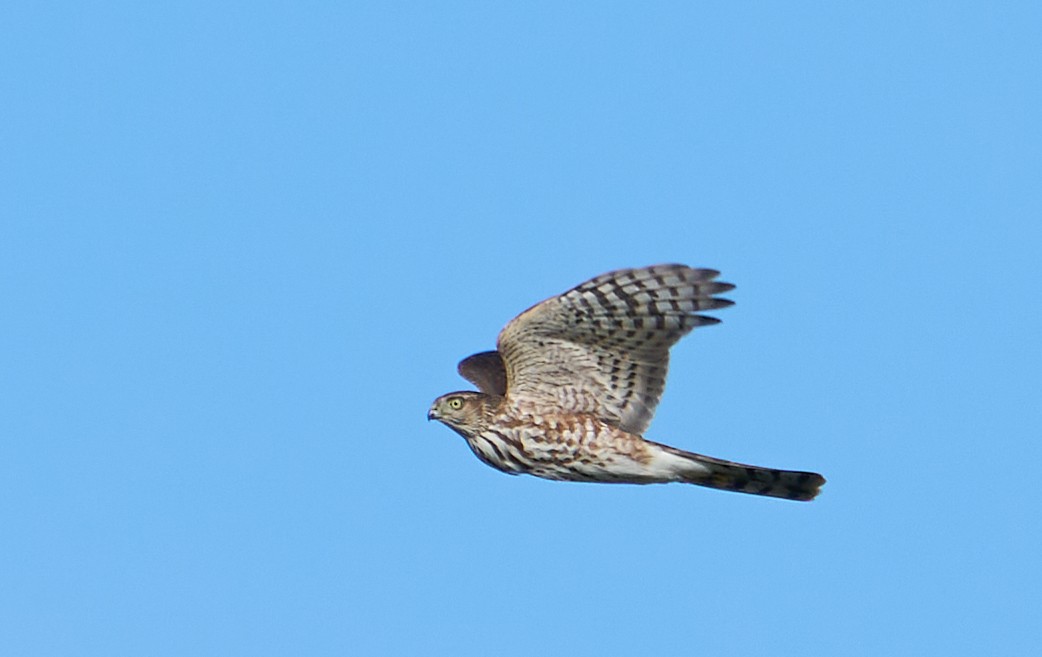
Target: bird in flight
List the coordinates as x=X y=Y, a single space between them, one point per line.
x=574 y=382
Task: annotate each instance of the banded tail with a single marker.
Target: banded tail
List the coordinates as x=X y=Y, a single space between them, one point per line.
x=728 y=475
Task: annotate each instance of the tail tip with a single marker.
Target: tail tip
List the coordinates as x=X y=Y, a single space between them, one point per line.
x=808 y=486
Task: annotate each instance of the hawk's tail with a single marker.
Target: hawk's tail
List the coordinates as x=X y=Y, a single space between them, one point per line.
x=727 y=475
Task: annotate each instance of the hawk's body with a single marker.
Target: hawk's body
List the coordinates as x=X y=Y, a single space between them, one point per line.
x=576 y=379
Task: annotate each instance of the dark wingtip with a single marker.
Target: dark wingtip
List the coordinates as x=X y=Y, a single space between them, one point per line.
x=485 y=370
x=716 y=303
x=704 y=320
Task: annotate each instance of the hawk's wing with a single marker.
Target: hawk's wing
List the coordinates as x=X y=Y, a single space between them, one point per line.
x=603 y=346
x=486 y=371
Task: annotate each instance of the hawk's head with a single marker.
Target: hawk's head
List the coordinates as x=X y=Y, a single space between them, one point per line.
x=462 y=411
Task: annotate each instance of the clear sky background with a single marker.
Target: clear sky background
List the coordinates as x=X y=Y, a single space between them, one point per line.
x=243 y=246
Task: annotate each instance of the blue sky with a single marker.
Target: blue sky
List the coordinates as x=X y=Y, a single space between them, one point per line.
x=243 y=246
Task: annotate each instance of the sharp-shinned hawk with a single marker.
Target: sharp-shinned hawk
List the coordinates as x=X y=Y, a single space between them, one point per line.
x=575 y=380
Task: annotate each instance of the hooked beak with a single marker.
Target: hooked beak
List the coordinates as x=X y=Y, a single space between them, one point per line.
x=432 y=414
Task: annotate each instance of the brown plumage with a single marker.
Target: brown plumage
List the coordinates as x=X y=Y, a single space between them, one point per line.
x=575 y=380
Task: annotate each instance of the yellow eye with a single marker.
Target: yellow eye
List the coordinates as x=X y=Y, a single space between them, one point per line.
x=456 y=403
